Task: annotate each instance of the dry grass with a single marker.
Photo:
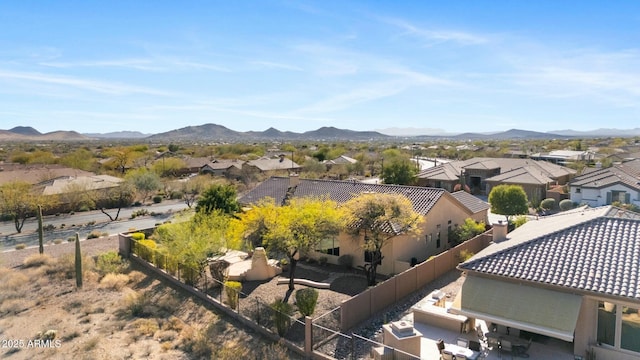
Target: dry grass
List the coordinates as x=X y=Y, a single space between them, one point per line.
x=145 y=327
x=37 y=260
x=114 y=281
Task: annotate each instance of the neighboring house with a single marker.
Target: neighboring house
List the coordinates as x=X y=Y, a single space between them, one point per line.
x=222 y=167
x=564 y=157
x=79 y=183
x=574 y=276
x=341 y=160
x=33 y=174
x=599 y=187
x=442 y=212
x=482 y=174
x=280 y=164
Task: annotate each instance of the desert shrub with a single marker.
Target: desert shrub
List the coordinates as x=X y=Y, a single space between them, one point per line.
x=135 y=303
x=145 y=327
x=566 y=204
x=281 y=315
x=71 y=239
x=21 y=246
x=165 y=335
x=176 y=195
x=232 y=289
x=346 y=261
x=114 y=281
x=145 y=249
x=65 y=266
x=83 y=208
x=548 y=203
x=173 y=323
x=48 y=227
x=274 y=352
x=138 y=236
x=157 y=199
x=110 y=262
x=519 y=221
x=465 y=255
x=196 y=343
x=306 y=299
x=136 y=276
x=37 y=260
x=94 y=234
x=57 y=241
x=91 y=343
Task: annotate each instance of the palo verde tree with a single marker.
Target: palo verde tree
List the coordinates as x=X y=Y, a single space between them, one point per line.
x=379 y=218
x=144 y=181
x=508 y=200
x=20 y=201
x=292 y=229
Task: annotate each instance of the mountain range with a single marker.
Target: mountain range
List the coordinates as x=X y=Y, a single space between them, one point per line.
x=214 y=132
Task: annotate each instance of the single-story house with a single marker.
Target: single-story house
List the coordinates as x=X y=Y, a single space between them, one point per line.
x=33 y=174
x=442 y=212
x=482 y=174
x=564 y=157
x=574 y=276
x=222 y=167
x=266 y=165
x=604 y=186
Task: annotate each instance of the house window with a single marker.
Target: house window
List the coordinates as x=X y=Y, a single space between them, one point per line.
x=438 y=240
x=619 y=320
x=369 y=255
x=578 y=190
x=329 y=247
x=619 y=196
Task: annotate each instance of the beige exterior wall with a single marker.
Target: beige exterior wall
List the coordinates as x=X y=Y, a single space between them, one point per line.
x=398 y=252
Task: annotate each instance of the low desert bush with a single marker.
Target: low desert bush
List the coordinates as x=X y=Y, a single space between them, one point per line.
x=138 y=236
x=65 y=266
x=57 y=241
x=91 y=344
x=110 y=262
x=275 y=351
x=196 y=343
x=136 y=276
x=95 y=234
x=566 y=204
x=165 y=335
x=21 y=246
x=37 y=260
x=306 y=299
x=232 y=289
x=136 y=302
x=465 y=255
x=114 y=281
x=145 y=327
x=281 y=315
x=173 y=323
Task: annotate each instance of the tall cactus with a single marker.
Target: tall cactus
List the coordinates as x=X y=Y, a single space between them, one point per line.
x=40 y=230
x=78 y=263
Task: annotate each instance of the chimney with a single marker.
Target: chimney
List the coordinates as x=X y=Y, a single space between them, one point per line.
x=294 y=180
x=499 y=232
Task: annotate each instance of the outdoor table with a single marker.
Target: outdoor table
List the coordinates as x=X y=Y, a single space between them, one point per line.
x=455 y=349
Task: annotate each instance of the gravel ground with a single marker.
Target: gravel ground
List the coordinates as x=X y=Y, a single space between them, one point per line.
x=91 y=247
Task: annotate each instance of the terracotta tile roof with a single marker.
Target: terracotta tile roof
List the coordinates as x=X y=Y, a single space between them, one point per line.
x=471 y=202
x=600 y=254
x=422 y=198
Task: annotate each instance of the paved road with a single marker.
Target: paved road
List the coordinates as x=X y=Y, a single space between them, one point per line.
x=85 y=222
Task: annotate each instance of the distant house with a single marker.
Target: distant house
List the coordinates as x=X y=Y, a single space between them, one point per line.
x=280 y=164
x=222 y=167
x=341 y=160
x=33 y=174
x=574 y=276
x=64 y=185
x=442 y=211
x=564 y=157
x=482 y=174
x=598 y=187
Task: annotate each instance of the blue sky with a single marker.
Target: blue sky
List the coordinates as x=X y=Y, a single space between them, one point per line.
x=448 y=66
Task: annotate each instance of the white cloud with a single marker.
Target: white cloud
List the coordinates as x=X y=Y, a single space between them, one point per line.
x=432 y=37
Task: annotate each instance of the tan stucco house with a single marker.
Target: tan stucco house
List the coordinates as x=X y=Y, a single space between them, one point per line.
x=442 y=212
x=574 y=276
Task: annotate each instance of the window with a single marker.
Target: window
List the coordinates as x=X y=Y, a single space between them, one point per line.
x=578 y=190
x=329 y=247
x=624 y=321
x=369 y=255
x=438 y=240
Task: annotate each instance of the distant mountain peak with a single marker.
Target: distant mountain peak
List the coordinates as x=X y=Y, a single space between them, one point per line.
x=25 y=130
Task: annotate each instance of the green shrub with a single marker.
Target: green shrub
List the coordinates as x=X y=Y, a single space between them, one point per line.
x=465 y=255
x=84 y=208
x=519 y=221
x=232 y=289
x=21 y=246
x=145 y=249
x=110 y=262
x=94 y=234
x=138 y=236
x=281 y=315
x=306 y=299
x=548 y=203
x=157 y=199
x=566 y=204
x=57 y=241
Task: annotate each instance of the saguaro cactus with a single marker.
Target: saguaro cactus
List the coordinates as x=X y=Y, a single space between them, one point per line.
x=40 y=230
x=78 y=263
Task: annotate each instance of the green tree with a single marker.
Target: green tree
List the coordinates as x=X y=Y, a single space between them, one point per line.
x=144 y=181
x=218 y=197
x=380 y=218
x=399 y=172
x=20 y=201
x=82 y=159
x=508 y=200
x=293 y=229
x=466 y=231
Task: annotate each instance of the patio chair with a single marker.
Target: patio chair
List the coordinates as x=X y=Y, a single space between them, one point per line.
x=447 y=355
